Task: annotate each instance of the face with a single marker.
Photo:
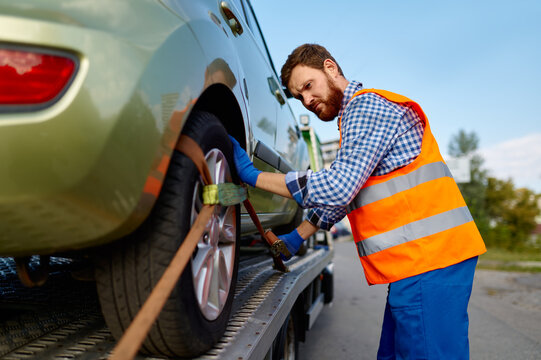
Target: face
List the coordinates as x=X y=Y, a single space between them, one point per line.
x=317 y=91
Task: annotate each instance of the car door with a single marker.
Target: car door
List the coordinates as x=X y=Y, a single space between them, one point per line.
x=263 y=105
x=287 y=151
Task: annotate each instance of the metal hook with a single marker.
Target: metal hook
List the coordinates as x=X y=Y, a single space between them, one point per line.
x=29 y=277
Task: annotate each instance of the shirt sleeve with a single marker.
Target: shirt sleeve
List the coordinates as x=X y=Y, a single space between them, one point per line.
x=325 y=217
x=369 y=128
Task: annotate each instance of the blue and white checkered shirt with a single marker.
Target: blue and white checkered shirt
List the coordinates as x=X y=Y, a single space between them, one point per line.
x=378 y=136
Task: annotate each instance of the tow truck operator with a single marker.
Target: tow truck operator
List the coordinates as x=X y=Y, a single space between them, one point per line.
x=410 y=224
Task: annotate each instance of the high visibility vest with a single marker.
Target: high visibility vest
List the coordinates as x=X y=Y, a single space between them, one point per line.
x=413 y=219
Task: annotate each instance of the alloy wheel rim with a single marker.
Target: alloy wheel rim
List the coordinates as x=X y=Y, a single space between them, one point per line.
x=214 y=258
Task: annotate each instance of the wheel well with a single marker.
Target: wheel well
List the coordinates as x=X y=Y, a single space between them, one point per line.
x=219 y=100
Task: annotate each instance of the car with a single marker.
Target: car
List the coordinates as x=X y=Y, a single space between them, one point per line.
x=94 y=96
x=340 y=231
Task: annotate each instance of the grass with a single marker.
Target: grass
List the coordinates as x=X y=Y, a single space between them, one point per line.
x=506 y=255
x=528 y=260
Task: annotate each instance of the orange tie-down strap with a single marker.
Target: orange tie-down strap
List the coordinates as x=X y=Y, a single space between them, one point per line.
x=133 y=337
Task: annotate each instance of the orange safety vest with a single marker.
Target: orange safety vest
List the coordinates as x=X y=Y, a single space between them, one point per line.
x=413 y=219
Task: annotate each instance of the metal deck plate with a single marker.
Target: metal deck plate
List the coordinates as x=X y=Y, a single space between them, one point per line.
x=62 y=319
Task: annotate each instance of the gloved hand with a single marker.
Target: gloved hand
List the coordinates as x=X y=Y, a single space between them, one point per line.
x=293 y=242
x=247 y=172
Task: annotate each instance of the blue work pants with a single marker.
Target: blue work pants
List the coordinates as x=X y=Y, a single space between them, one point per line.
x=426 y=315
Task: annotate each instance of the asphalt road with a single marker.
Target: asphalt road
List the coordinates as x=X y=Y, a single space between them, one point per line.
x=505 y=315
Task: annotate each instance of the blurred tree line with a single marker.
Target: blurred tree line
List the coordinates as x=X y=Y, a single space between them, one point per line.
x=504 y=214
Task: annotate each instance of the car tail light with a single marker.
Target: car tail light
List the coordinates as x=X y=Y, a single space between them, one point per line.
x=32 y=77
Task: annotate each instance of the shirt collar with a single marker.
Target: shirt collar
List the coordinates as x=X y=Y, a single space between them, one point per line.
x=351 y=89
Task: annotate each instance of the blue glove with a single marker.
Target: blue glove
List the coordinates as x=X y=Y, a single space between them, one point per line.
x=247 y=172
x=293 y=242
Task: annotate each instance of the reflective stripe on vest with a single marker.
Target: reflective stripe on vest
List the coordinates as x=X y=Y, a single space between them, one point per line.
x=383 y=190
x=415 y=230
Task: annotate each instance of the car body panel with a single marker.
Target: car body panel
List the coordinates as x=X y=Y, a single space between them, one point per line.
x=87 y=170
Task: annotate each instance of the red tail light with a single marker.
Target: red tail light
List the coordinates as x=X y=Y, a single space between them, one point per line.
x=31 y=77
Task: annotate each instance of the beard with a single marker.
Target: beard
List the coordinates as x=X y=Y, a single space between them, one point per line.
x=332 y=103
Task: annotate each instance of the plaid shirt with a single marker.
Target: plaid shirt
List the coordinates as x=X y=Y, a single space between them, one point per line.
x=378 y=136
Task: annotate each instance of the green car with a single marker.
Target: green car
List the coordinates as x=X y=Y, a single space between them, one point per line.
x=94 y=96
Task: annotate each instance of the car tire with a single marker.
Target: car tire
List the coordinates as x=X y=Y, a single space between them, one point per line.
x=286 y=343
x=196 y=314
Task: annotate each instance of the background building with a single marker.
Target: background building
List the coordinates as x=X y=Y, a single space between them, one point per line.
x=329 y=150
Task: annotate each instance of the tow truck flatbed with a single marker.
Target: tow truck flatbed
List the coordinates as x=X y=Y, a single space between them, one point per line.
x=62 y=320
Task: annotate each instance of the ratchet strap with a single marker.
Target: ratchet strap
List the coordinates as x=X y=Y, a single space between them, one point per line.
x=229 y=194
x=213 y=194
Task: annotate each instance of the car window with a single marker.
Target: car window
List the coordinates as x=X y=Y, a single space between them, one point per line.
x=256 y=31
x=252 y=23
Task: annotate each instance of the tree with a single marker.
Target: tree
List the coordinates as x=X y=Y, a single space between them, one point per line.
x=512 y=214
x=504 y=215
x=465 y=144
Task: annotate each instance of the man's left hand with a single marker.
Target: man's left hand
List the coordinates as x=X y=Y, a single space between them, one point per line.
x=293 y=242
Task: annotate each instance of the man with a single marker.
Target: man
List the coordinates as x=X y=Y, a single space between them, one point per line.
x=409 y=221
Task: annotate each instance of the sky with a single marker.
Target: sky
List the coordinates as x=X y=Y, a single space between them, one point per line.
x=471 y=65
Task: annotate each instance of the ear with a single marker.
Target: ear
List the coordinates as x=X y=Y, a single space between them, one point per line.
x=330 y=67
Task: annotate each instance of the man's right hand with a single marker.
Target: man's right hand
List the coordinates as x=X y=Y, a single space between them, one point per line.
x=245 y=168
